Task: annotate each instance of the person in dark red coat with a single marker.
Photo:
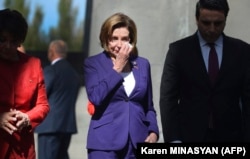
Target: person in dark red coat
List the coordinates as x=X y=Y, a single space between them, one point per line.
x=23 y=100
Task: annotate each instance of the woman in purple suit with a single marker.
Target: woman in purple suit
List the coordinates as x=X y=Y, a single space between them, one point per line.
x=118 y=83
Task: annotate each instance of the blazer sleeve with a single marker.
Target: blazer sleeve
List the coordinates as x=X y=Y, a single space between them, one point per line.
x=40 y=107
x=246 y=95
x=151 y=114
x=49 y=77
x=169 y=96
x=99 y=82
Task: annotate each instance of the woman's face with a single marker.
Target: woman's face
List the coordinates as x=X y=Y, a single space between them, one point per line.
x=120 y=37
x=8 y=47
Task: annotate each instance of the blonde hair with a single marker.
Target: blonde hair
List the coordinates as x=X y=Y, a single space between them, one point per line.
x=115 y=21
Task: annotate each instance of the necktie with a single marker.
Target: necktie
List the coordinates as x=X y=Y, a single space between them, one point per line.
x=213 y=69
x=213 y=63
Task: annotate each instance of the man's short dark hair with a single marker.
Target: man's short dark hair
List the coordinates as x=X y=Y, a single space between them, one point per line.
x=219 y=5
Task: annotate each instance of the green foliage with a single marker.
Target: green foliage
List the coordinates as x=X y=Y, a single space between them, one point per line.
x=66 y=29
x=18 y=5
x=36 y=39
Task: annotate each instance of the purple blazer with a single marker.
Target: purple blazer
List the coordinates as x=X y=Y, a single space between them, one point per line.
x=118 y=116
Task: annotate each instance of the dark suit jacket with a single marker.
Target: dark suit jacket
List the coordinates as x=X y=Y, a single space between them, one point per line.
x=186 y=94
x=62 y=86
x=117 y=115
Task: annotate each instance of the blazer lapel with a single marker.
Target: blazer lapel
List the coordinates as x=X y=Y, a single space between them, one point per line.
x=135 y=69
x=227 y=58
x=198 y=59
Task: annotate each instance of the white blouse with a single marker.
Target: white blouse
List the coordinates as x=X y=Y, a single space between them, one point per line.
x=129 y=82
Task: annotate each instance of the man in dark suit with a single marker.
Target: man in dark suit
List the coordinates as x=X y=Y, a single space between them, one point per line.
x=196 y=106
x=62 y=86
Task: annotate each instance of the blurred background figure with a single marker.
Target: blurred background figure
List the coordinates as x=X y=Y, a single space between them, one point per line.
x=62 y=86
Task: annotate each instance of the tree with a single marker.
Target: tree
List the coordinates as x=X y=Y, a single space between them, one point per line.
x=35 y=40
x=67 y=29
x=19 y=5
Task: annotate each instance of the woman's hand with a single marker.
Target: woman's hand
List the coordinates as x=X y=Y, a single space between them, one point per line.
x=122 y=58
x=152 y=138
x=7 y=121
x=22 y=120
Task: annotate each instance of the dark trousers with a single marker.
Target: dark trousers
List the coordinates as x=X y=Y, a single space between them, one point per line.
x=128 y=152
x=53 y=145
x=213 y=136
